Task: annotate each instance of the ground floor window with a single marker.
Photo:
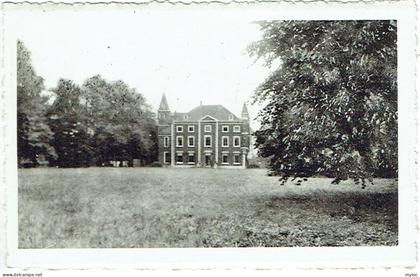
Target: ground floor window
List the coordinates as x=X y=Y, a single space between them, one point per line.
x=225 y=158
x=179 y=158
x=191 y=158
x=166 y=157
x=236 y=159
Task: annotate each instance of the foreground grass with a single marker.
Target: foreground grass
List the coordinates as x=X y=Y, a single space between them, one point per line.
x=158 y=207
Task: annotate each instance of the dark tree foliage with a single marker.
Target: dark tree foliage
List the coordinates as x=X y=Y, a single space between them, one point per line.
x=331 y=104
x=100 y=122
x=67 y=119
x=120 y=120
x=33 y=135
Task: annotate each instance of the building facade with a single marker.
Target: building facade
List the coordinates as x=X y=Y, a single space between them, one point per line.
x=206 y=136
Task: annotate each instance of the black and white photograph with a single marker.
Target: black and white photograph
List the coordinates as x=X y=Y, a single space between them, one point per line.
x=169 y=130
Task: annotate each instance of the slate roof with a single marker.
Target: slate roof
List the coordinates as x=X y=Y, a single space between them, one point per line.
x=216 y=111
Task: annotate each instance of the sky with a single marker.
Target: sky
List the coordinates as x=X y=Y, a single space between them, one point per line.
x=189 y=57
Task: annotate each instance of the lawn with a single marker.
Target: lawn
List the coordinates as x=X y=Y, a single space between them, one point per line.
x=159 y=207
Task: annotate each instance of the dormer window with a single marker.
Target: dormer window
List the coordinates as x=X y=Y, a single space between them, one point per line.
x=186 y=117
x=230 y=117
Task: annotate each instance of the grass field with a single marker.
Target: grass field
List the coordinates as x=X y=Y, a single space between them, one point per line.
x=158 y=207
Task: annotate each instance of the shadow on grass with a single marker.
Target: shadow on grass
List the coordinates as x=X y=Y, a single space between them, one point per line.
x=333 y=219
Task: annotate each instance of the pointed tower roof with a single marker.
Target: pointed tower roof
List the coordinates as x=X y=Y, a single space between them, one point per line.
x=163 y=104
x=245 y=114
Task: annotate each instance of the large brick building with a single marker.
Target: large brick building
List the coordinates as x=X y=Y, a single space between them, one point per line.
x=206 y=136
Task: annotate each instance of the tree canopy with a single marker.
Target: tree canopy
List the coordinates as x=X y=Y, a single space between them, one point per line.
x=331 y=104
x=34 y=135
x=120 y=120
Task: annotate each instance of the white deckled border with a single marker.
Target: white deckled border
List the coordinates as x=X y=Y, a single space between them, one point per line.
x=265 y=258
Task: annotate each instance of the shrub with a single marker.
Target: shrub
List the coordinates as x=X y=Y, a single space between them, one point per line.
x=253 y=166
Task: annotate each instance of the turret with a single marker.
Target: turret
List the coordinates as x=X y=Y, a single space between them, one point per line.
x=164 y=113
x=245 y=114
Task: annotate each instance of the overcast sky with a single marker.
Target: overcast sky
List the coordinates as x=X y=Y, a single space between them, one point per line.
x=191 y=58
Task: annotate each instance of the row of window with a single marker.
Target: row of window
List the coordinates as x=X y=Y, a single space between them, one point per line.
x=207 y=128
x=190 y=158
x=207 y=141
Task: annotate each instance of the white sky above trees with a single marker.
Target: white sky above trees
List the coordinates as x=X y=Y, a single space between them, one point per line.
x=191 y=58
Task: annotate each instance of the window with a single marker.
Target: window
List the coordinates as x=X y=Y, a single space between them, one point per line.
x=236 y=141
x=186 y=116
x=166 y=142
x=207 y=128
x=225 y=129
x=191 y=158
x=166 y=157
x=225 y=158
x=237 y=128
x=179 y=158
x=225 y=141
x=191 y=141
x=207 y=141
x=191 y=129
x=179 y=141
x=230 y=117
x=179 y=129
x=236 y=159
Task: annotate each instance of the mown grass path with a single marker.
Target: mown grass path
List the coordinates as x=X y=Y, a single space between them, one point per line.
x=159 y=207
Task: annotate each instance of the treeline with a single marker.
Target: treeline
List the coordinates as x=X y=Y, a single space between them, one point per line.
x=77 y=126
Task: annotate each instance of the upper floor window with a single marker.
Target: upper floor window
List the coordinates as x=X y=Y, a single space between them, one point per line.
x=225 y=128
x=236 y=128
x=165 y=141
x=179 y=129
x=207 y=141
x=179 y=141
x=236 y=141
x=207 y=128
x=225 y=141
x=191 y=141
x=191 y=129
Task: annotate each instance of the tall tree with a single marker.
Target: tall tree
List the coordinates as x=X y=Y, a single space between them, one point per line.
x=67 y=119
x=34 y=135
x=122 y=123
x=331 y=104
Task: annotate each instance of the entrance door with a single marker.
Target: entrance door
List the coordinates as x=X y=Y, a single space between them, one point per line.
x=207 y=160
